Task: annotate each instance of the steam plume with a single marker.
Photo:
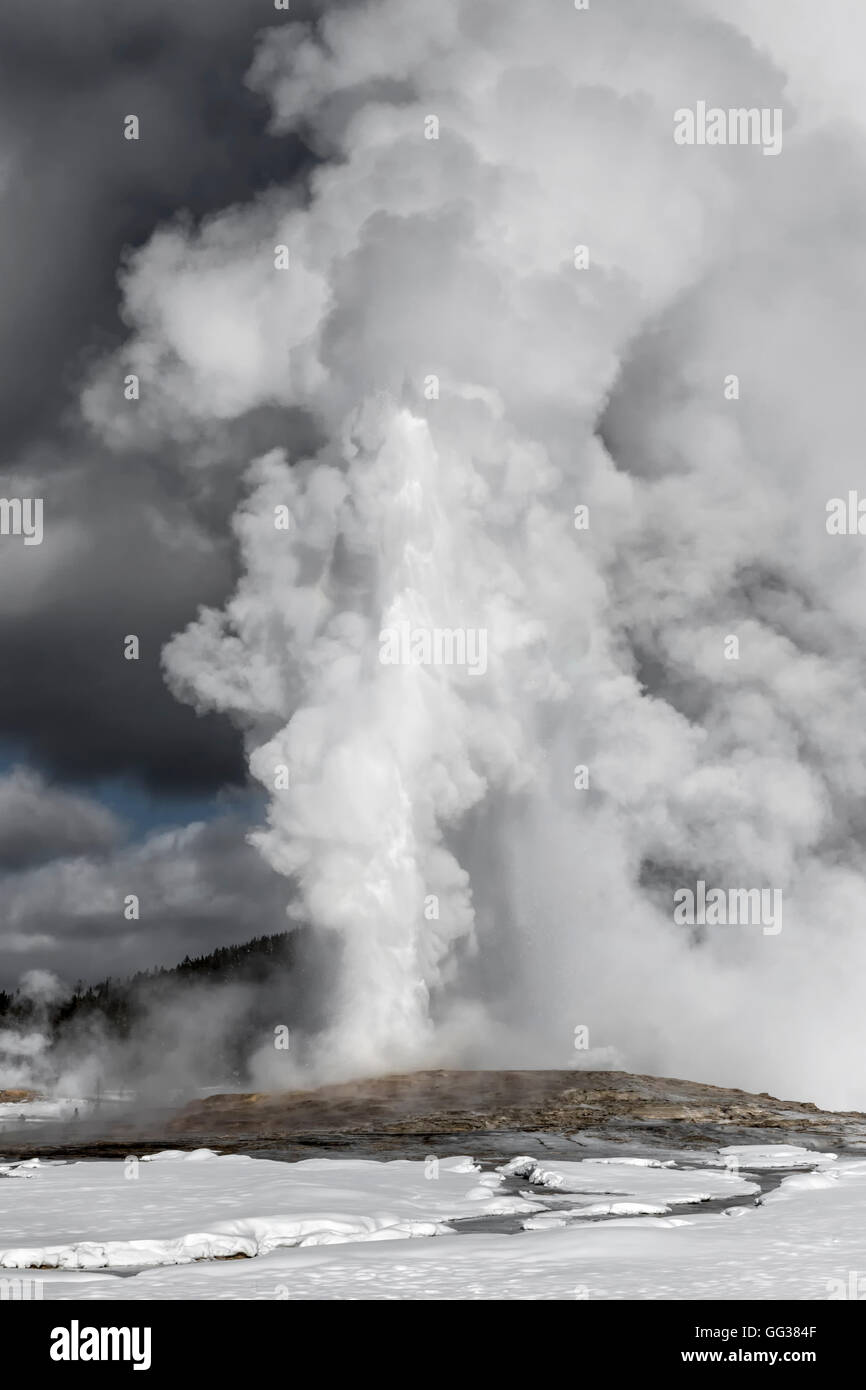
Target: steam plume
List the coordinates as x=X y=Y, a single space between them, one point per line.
x=453 y=258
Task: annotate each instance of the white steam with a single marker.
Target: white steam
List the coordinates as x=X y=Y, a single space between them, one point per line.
x=453 y=258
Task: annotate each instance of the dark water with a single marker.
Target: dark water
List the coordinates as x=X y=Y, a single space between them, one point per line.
x=490 y=1149
x=512 y=1225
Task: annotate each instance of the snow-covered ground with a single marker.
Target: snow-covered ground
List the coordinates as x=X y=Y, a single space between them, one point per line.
x=40 y=1110
x=342 y=1228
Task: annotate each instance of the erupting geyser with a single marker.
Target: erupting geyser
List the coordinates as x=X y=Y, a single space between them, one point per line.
x=513 y=338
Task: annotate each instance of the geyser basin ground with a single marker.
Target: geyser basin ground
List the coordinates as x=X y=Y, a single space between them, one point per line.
x=458 y=1102
x=611 y=1186
x=413 y=1114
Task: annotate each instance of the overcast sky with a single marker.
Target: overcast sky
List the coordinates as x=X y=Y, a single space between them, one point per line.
x=94 y=750
x=510 y=289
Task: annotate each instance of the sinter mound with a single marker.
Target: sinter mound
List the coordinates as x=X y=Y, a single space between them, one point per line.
x=487 y=1113
x=455 y=1102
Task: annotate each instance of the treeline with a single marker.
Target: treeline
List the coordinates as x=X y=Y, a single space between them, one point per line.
x=203 y=1018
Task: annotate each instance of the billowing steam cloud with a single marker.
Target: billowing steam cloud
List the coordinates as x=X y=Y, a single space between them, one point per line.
x=473 y=381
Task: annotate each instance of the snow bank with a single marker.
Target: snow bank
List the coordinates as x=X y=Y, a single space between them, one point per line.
x=660 y=1184
x=761 y=1158
x=326 y=1229
x=183 y=1207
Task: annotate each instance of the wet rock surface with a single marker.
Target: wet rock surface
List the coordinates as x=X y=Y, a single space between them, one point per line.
x=419 y=1113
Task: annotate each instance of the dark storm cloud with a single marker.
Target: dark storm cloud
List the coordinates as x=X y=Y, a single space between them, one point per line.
x=199 y=887
x=122 y=555
x=76 y=192
x=38 y=823
x=131 y=544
